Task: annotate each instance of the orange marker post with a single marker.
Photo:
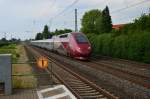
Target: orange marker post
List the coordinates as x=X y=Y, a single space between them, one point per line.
x=42 y=62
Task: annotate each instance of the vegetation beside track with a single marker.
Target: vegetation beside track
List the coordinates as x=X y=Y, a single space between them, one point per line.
x=10 y=48
x=130 y=42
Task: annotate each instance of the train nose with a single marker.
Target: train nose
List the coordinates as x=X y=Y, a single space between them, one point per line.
x=84 y=51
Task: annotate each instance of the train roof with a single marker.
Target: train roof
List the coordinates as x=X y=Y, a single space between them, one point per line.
x=55 y=37
x=45 y=40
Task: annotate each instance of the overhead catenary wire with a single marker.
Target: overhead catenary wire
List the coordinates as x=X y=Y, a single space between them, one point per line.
x=112 y=12
x=68 y=7
x=60 y=13
x=129 y=6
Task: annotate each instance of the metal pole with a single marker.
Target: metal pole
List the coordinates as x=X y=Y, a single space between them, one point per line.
x=50 y=25
x=76 y=26
x=11 y=36
x=149 y=11
x=5 y=35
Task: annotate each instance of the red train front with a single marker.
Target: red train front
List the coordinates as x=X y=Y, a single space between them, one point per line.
x=79 y=46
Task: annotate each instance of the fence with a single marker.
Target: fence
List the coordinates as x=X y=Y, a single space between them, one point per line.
x=33 y=77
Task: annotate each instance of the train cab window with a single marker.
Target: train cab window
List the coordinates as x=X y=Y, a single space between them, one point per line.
x=81 y=38
x=63 y=36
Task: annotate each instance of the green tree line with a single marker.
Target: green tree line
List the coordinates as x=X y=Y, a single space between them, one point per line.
x=5 y=42
x=131 y=42
x=46 y=34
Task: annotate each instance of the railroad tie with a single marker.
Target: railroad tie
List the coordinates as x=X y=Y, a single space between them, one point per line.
x=94 y=97
x=87 y=91
x=93 y=94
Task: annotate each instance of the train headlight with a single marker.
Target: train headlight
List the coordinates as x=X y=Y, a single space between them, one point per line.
x=89 y=48
x=79 y=49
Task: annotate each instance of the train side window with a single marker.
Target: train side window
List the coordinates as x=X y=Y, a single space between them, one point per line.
x=63 y=36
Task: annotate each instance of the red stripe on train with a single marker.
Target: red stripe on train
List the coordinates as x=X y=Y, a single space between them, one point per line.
x=65 y=44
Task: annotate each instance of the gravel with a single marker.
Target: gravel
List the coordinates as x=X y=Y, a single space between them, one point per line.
x=122 y=88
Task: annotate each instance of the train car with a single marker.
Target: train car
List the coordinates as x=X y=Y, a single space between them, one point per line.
x=47 y=44
x=74 y=44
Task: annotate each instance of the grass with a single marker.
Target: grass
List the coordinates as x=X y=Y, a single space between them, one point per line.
x=10 y=46
x=10 y=49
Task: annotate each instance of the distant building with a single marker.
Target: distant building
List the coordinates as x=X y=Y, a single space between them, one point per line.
x=118 y=26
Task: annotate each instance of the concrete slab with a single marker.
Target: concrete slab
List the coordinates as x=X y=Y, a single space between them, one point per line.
x=57 y=92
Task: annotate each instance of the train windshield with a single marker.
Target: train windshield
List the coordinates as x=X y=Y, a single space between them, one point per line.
x=80 y=38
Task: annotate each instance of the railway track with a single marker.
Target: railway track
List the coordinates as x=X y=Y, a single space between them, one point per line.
x=141 y=72
x=124 y=74
x=123 y=61
x=80 y=86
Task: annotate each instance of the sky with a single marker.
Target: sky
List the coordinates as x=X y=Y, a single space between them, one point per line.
x=24 y=18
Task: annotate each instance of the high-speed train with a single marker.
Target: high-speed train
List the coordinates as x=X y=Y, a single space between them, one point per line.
x=74 y=44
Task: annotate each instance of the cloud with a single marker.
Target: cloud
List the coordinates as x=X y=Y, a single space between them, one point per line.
x=29 y=8
x=18 y=16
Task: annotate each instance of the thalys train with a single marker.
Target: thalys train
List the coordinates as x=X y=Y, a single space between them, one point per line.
x=74 y=44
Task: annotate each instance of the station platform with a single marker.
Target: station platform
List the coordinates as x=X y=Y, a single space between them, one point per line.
x=45 y=92
x=21 y=94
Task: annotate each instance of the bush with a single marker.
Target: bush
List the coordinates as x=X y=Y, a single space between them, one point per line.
x=130 y=42
x=146 y=46
x=133 y=47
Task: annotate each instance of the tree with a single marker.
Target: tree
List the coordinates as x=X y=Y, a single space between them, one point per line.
x=89 y=21
x=67 y=30
x=104 y=23
x=46 y=33
x=98 y=25
x=39 y=36
x=4 y=39
x=58 y=32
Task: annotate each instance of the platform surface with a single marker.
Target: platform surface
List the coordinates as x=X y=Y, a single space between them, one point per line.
x=22 y=94
x=46 y=92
